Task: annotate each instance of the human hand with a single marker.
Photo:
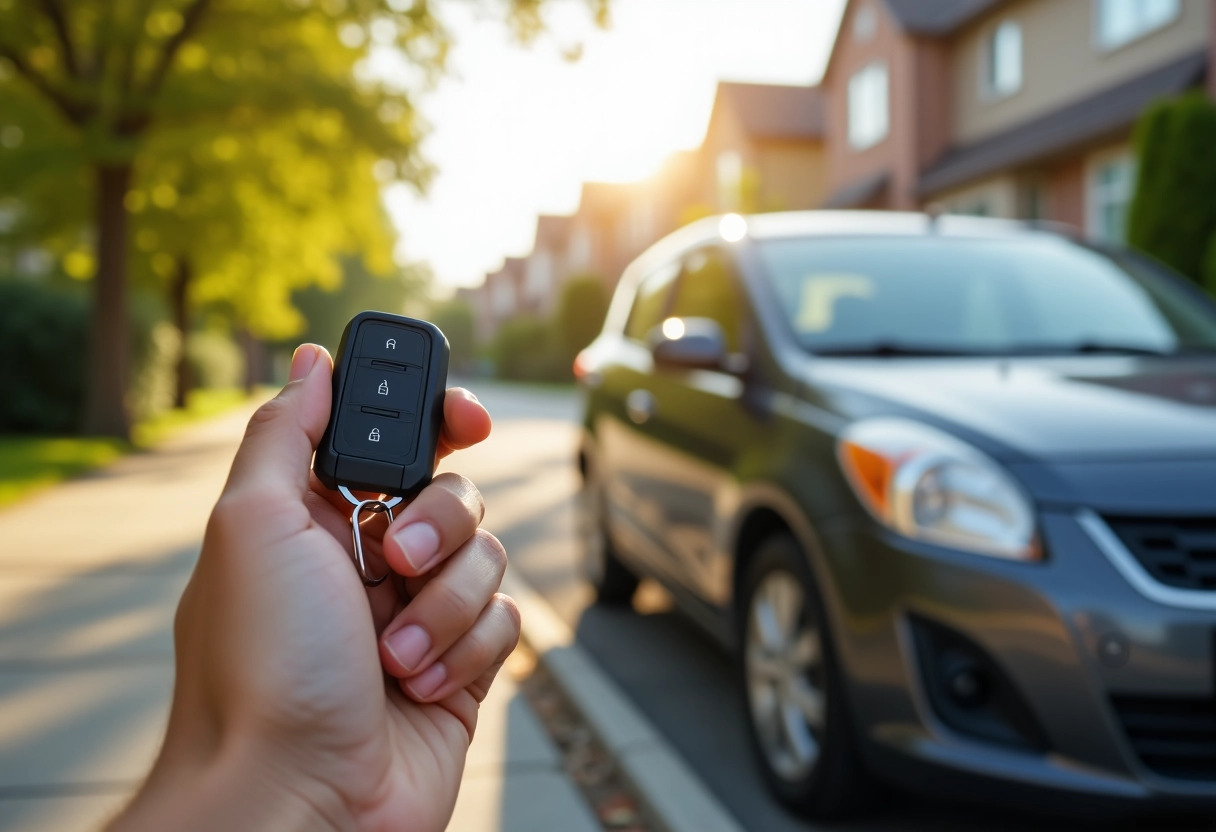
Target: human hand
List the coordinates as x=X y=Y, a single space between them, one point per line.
x=282 y=715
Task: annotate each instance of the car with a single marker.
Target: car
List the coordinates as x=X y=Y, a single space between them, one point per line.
x=946 y=487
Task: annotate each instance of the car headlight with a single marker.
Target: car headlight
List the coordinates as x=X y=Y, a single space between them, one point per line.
x=925 y=484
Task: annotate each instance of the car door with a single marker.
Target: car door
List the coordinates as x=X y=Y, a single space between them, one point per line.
x=702 y=424
x=628 y=450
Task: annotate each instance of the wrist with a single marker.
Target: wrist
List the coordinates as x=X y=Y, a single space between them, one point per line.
x=245 y=785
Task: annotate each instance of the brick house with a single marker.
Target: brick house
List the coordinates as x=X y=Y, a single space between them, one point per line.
x=763 y=149
x=1012 y=108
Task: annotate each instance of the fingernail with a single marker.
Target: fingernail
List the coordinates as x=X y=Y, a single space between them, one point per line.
x=302 y=360
x=428 y=681
x=408 y=645
x=420 y=543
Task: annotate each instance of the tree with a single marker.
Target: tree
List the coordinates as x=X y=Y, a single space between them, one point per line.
x=326 y=311
x=581 y=309
x=115 y=75
x=1173 y=213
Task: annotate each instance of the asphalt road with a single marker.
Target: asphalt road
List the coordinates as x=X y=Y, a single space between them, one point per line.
x=676 y=676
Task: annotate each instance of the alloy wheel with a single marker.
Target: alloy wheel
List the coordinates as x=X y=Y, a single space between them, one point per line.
x=783 y=661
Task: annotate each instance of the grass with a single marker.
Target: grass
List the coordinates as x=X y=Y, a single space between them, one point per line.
x=32 y=463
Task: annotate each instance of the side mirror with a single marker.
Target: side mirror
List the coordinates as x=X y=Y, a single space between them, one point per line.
x=690 y=344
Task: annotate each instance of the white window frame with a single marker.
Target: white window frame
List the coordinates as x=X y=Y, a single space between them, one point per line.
x=865 y=23
x=1141 y=28
x=858 y=88
x=1096 y=200
x=989 y=86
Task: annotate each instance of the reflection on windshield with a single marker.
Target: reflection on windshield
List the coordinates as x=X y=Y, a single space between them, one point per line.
x=944 y=296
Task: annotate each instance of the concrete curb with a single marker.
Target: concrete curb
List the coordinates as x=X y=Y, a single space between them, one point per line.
x=672 y=792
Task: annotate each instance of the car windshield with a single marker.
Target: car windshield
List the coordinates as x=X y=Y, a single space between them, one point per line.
x=1037 y=294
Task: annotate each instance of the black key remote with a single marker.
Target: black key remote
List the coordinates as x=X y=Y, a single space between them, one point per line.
x=389 y=380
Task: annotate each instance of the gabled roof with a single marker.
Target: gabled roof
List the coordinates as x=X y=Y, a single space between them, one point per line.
x=936 y=17
x=1074 y=125
x=930 y=18
x=774 y=111
x=552 y=230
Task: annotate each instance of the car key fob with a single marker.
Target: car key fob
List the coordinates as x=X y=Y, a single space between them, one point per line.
x=390 y=374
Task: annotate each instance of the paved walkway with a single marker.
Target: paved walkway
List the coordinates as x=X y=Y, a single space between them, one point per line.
x=90 y=573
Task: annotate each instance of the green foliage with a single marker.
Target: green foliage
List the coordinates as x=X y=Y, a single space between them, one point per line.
x=325 y=312
x=216 y=362
x=580 y=314
x=524 y=350
x=455 y=318
x=1173 y=213
x=43 y=334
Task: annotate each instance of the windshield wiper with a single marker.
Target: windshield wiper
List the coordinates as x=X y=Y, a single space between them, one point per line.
x=1091 y=348
x=889 y=348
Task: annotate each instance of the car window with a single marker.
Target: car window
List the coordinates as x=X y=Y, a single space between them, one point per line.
x=708 y=289
x=651 y=301
x=978 y=295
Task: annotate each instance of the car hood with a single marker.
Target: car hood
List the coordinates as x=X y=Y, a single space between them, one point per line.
x=1086 y=408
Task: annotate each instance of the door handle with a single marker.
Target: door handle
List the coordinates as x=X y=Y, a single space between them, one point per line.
x=640 y=406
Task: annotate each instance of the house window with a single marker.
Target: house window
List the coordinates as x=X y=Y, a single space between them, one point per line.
x=1112 y=180
x=1003 y=60
x=865 y=23
x=1122 y=21
x=868 y=105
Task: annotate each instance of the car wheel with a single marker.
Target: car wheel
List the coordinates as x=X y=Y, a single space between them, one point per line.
x=613 y=582
x=795 y=697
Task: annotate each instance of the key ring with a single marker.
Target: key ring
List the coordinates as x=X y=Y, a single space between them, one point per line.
x=376 y=507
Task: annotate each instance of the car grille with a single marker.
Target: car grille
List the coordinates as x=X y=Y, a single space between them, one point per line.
x=1173 y=737
x=1177 y=552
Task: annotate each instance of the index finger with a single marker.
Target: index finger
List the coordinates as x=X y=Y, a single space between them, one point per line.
x=465 y=422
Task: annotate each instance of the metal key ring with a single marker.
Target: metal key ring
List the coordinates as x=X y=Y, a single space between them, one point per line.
x=354 y=501
x=356 y=534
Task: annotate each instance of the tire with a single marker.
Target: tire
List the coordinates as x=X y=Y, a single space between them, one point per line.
x=614 y=583
x=797 y=712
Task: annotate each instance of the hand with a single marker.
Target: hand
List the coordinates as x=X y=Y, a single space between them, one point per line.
x=282 y=714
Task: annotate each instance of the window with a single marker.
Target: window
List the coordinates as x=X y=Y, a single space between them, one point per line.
x=730 y=177
x=1112 y=180
x=650 y=303
x=1122 y=21
x=1003 y=60
x=865 y=23
x=707 y=290
x=868 y=106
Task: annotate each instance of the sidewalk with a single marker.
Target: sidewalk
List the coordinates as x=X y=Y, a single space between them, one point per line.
x=90 y=573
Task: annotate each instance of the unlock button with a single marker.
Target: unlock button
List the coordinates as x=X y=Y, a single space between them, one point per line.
x=387 y=389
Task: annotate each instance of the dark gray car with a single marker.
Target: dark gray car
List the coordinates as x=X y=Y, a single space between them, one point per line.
x=947 y=486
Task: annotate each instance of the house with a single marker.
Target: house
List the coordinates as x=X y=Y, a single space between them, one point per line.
x=1011 y=108
x=763 y=149
x=545 y=267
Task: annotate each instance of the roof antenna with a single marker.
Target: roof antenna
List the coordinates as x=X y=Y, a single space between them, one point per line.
x=933 y=212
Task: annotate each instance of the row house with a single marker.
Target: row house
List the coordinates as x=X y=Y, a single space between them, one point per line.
x=1009 y=108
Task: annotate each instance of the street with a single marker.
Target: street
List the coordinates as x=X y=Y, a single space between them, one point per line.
x=679 y=679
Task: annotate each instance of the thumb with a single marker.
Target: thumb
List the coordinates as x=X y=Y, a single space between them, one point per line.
x=275 y=456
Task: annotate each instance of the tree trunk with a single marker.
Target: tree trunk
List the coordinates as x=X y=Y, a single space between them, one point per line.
x=105 y=409
x=255 y=360
x=180 y=298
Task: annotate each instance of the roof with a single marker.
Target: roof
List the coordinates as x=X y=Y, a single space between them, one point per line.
x=860 y=191
x=937 y=17
x=931 y=18
x=552 y=230
x=1107 y=112
x=773 y=111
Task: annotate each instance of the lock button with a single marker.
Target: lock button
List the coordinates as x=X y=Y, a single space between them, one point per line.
x=374 y=436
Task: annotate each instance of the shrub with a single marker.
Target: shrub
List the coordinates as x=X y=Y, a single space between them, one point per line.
x=1173 y=213
x=580 y=314
x=455 y=318
x=524 y=351
x=44 y=341
x=215 y=360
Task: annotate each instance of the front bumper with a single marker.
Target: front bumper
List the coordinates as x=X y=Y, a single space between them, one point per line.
x=1072 y=635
